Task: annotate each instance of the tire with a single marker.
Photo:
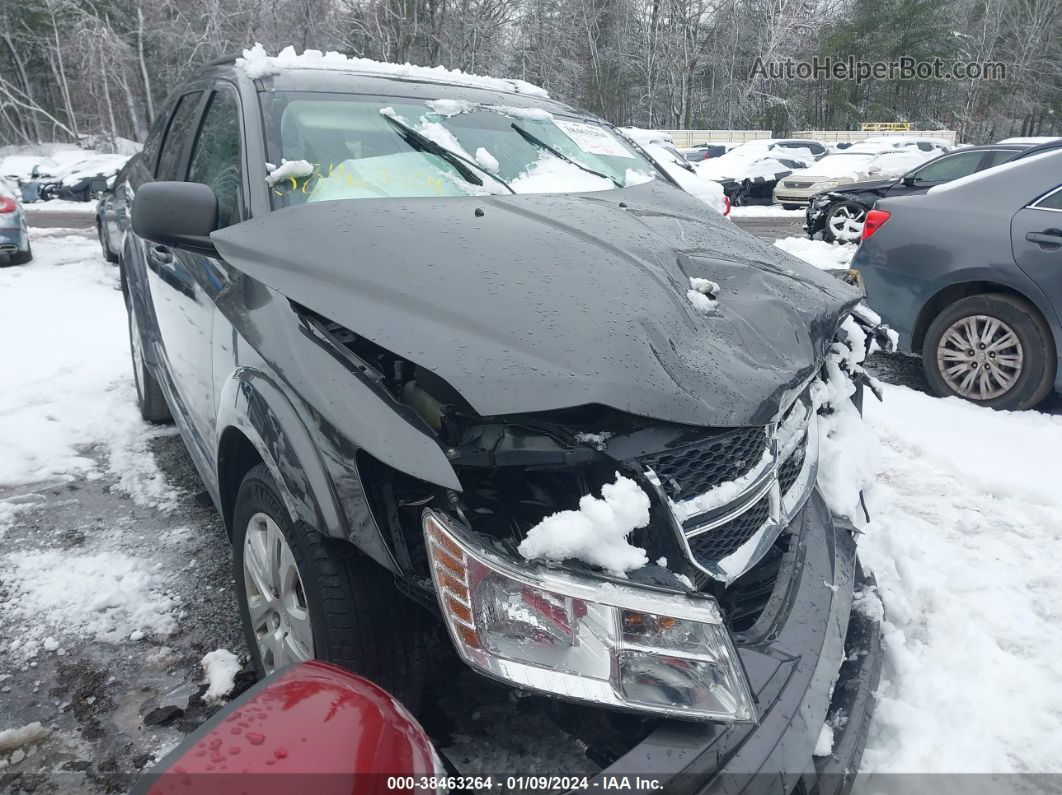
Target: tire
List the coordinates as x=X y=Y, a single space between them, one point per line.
x=108 y=255
x=790 y=206
x=356 y=617
x=843 y=222
x=22 y=257
x=149 y=397
x=1029 y=372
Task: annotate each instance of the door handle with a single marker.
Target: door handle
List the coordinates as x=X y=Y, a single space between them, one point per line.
x=161 y=255
x=1049 y=237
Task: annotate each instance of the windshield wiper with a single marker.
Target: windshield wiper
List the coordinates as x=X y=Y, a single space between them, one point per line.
x=423 y=143
x=533 y=139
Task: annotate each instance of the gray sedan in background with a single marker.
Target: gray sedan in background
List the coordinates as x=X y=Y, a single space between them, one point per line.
x=14 y=233
x=970 y=275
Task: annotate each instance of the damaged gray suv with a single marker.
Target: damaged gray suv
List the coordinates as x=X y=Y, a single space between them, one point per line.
x=459 y=365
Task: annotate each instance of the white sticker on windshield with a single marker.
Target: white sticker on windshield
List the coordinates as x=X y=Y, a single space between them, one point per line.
x=593 y=140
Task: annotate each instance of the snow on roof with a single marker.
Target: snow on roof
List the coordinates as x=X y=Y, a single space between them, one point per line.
x=1034 y=139
x=256 y=63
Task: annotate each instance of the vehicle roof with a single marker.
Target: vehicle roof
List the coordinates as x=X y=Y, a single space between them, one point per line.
x=354 y=81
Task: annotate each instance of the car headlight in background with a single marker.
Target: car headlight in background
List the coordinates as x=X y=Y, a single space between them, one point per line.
x=585 y=639
x=826 y=184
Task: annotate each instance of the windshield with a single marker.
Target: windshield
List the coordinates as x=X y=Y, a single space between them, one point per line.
x=374 y=147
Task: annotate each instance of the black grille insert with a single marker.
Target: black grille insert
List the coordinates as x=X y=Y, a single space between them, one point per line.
x=694 y=469
x=714 y=545
x=789 y=471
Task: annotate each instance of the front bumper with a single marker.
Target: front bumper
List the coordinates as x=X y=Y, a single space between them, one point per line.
x=808 y=643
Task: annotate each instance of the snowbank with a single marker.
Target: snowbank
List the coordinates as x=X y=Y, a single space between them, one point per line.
x=823 y=255
x=964 y=541
x=257 y=63
x=765 y=211
x=597 y=532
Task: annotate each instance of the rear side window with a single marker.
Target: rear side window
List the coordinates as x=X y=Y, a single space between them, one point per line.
x=949 y=168
x=216 y=155
x=177 y=136
x=1052 y=201
x=997 y=156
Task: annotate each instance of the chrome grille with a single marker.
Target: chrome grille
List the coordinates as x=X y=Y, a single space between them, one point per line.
x=726 y=539
x=696 y=468
x=772 y=488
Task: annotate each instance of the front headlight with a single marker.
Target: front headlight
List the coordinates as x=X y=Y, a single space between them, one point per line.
x=826 y=184
x=620 y=645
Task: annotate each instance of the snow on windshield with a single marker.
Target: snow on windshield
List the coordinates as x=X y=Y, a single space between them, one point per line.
x=257 y=63
x=550 y=174
x=357 y=147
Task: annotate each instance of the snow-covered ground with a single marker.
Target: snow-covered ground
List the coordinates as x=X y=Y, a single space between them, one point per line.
x=62 y=206
x=828 y=256
x=765 y=211
x=965 y=541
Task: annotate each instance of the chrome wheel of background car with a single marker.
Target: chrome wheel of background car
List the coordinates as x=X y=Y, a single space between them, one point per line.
x=276 y=600
x=845 y=222
x=980 y=357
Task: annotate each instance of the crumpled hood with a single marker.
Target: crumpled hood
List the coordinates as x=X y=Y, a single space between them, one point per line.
x=528 y=303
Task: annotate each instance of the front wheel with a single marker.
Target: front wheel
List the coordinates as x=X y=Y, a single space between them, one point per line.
x=994 y=350
x=305 y=596
x=844 y=223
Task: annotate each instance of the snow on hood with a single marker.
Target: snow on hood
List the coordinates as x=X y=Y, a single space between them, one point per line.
x=528 y=303
x=257 y=63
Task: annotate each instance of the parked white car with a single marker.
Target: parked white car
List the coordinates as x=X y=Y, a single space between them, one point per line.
x=658 y=146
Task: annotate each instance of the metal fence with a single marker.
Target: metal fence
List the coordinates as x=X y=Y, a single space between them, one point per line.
x=685 y=139
x=853 y=136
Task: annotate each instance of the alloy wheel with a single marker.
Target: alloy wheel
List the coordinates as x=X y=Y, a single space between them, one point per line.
x=980 y=357
x=276 y=600
x=846 y=223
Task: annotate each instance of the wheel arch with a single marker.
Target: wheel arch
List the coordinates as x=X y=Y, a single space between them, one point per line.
x=956 y=291
x=257 y=423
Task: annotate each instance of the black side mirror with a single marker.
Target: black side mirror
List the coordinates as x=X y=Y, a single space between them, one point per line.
x=177 y=214
x=909 y=180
